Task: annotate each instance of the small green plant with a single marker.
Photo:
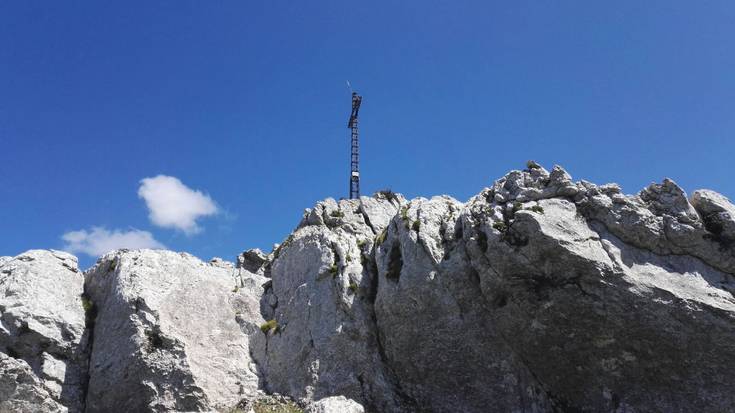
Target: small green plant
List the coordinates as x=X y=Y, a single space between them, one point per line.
x=349 y=258
x=337 y=214
x=537 y=209
x=381 y=237
x=361 y=243
x=352 y=286
x=268 y=326
x=404 y=213
x=262 y=406
x=416 y=225
x=87 y=304
x=333 y=270
x=500 y=226
x=281 y=246
x=90 y=311
x=517 y=206
x=236 y=289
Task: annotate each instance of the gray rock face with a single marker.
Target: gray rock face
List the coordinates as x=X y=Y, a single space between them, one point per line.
x=43 y=340
x=433 y=319
x=599 y=323
x=169 y=334
x=538 y=295
x=602 y=324
x=718 y=215
x=22 y=391
x=324 y=339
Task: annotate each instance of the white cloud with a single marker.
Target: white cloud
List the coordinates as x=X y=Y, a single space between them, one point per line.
x=100 y=240
x=171 y=204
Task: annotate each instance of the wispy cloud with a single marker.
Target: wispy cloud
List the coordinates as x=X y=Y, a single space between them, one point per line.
x=100 y=240
x=171 y=204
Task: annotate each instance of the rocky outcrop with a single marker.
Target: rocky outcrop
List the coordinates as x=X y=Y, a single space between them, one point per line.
x=718 y=215
x=172 y=331
x=539 y=294
x=253 y=260
x=43 y=340
x=21 y=389
x=433 y=319
x=323 y=339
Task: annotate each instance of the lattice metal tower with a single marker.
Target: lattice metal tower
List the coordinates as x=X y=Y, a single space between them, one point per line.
x=355 y=158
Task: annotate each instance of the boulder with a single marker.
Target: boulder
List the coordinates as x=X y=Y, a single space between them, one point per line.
x=252 y=260
x=335 y=404
x=42 y=329
x=170 y=333
x=718 y=215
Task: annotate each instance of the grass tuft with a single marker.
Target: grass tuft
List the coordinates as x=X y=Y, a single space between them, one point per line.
x=333 y=270
x=537 y=208
x=381 y=237
x=268 y=326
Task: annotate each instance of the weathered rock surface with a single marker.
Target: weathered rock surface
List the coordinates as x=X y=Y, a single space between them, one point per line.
x=718 y=215
x=253 y=260
x=433 y=319
x=169 y=333
x=22 y=391
x=335 y=404
x=42 y=331
x=324 y=341
x=539 y=294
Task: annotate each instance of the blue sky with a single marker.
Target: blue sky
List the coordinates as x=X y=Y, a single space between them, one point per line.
x=246 y=102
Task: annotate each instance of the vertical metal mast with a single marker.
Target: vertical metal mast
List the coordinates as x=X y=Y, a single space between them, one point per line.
x=355 y=159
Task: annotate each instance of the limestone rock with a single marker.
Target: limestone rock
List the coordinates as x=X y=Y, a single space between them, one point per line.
x=169 y=334
x=323 y=341
x=42 y=324
x=434 y=322
x=717 y=213
x=539 y=294
x=335 y=404
x=253 y=260
x=592 y=315
x=22 y=391
x=659 y=219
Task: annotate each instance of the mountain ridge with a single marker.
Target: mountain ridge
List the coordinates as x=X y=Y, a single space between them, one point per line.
x=538 y=294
